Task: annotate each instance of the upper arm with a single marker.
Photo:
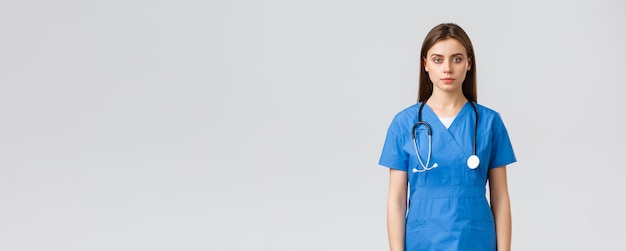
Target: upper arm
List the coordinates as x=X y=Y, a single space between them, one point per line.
x=398 y=183
x=498 y=186
x=501 y=148
x=393 y=155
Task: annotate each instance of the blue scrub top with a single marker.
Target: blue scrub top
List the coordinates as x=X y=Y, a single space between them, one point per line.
x=448 y=209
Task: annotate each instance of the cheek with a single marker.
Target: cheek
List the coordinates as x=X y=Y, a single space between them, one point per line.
x=463 y=67
x=430 y=67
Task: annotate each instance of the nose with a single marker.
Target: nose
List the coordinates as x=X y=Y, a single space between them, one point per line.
x=447 y=67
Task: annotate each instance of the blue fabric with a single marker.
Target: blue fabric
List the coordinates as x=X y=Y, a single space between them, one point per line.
x=448 y=209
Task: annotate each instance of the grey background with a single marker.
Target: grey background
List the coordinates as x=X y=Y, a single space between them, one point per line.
x=257 y=125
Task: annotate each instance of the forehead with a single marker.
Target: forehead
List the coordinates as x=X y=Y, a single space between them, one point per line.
x=447 y=47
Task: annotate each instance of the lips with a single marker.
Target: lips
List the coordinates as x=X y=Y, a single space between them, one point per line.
x=447 y=80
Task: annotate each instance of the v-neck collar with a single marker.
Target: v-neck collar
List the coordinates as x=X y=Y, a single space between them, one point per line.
x=456 y=117
x=455 y=135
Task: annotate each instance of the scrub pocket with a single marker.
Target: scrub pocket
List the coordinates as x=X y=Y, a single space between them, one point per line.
x=415 y=235
x=483 y=226
x=416 y=225
x=483 y=235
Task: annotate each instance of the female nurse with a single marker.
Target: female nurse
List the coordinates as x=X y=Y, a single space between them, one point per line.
x=437 y=187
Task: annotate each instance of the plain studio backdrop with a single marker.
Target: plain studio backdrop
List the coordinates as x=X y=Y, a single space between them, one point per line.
x=257 y=125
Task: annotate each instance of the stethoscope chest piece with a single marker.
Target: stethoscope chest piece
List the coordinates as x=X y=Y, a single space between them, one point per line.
x=473 y=162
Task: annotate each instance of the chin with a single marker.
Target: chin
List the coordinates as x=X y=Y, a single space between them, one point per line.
x=449 y=88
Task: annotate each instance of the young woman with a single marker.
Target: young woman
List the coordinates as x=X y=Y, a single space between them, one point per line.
x=442 y=151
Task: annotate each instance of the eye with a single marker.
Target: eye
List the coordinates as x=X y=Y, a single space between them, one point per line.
x=457 y=60
x=437 y=60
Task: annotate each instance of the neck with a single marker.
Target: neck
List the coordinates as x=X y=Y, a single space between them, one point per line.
x=446 y=101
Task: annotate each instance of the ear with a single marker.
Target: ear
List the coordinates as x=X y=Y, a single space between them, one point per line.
x=425 y=66
x=469 y=64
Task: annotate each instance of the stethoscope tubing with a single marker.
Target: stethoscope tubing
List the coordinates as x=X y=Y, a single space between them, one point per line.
x=425 y=167
x=430 y=140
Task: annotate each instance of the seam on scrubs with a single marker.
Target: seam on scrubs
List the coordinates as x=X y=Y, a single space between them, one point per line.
x=448 y=192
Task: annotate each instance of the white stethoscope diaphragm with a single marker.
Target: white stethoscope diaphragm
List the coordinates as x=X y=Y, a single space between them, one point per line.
x=473 y=162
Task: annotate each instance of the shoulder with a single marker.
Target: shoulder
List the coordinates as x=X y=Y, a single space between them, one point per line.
x=490 y=117
x=487 y=112
x=408 y=114
x=405 y=118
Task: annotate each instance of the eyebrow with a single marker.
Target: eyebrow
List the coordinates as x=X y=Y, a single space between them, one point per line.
x=439 y=55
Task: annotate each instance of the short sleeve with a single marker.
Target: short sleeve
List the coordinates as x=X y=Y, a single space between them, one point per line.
x=502 y=150
x=393 y=156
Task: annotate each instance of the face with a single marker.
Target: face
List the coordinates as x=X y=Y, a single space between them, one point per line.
x=447 y=64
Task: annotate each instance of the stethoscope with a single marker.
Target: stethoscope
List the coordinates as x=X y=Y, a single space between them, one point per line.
x=472 y=162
